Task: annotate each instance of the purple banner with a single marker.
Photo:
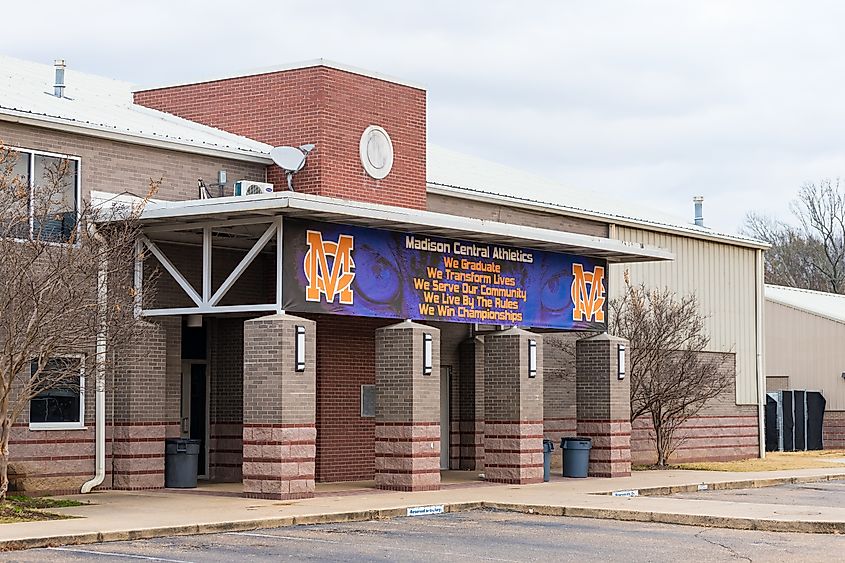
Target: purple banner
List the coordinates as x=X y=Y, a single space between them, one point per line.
x=346 y=270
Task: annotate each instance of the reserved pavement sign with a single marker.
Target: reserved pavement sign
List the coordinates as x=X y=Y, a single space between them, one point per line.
x=703 y=487
x=425 y=510
x=630 y=493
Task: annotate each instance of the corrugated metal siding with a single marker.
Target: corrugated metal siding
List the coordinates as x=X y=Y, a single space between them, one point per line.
x=807 y=348
x=722 y=277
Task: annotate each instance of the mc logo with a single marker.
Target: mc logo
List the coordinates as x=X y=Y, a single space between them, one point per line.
x=588 y=294
x=324 y=279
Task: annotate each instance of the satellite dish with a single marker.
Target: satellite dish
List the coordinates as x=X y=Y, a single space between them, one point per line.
x=290 y=159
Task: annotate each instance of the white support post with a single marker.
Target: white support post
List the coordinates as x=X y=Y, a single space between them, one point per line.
x=173 y=271
x=206 y=264
x=280 y=224
x=243 y=265
x=139 y=278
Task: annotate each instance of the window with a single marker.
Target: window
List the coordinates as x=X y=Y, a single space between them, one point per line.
x=45 y=194
x=368 y=401
x=62 y=405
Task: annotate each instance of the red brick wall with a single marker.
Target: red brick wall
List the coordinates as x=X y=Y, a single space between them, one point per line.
x=320 y=105
x=345 y=361
x=833 y=431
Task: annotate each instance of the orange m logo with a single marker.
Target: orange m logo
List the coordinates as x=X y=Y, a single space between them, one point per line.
x=588 y=301
x=334 y=280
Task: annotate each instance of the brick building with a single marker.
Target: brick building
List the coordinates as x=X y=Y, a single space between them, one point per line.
x=404 y=310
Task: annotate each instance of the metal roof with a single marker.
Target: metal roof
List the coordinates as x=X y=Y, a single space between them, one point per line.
x=100 y=106
x=192 y=214
x=828 y=305
x=103 y=107
x=460 y=175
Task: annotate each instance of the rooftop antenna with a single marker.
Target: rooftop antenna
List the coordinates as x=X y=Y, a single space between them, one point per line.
x=291 y=160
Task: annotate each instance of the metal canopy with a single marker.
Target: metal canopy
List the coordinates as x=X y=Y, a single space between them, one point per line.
x=172 y=217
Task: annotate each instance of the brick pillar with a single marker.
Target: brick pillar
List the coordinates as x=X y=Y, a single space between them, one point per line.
x=471 y=404
x=407 y=443
x=604 y=405
x=139 y=426
x=279 y=432
x=513 y=408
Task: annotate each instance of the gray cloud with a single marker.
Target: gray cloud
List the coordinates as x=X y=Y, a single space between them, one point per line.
x=654 y=101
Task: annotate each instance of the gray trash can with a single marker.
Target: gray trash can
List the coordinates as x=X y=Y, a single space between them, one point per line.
x=548 y=448
x=576 y=455
x=180 y=462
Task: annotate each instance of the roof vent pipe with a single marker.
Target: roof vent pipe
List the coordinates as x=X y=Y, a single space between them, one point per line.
x=699 y=210
x=59 y=86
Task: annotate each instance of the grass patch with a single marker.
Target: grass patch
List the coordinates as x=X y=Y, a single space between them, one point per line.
x=18 y=508
x=774 y=461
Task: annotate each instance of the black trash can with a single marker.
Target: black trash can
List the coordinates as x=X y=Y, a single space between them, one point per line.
x=180 y=462
x=548 y=448
x=576 y=455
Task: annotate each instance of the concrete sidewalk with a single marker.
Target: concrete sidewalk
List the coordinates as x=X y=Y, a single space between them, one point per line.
x=116 y=515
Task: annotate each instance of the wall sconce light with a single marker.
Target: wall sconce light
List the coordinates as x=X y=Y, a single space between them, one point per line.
x=532 y=358
x=620 y=361
x=299 y=351
x=428 y=365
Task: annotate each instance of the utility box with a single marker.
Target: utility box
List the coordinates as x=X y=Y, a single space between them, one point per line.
x=794 y=420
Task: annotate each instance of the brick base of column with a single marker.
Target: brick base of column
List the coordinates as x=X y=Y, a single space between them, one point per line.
x=278 y=461
x=513 y=452
x=408 y=456
x=471 y=444
x=138 y=455
x=611 y=453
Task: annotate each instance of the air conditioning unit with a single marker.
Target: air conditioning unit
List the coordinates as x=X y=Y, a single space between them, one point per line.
x=248 y=187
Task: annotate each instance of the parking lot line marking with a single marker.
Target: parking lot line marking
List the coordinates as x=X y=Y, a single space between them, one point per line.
x=256 y=535
x=114 y=554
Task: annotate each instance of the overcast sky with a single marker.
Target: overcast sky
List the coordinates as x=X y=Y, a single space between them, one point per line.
x=656 y=101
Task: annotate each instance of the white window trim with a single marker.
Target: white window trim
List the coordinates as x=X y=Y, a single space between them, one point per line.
x=68 y=425
x=32 y=154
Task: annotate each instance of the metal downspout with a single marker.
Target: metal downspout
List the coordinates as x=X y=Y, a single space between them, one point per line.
x=761 y=376
x=100 y=379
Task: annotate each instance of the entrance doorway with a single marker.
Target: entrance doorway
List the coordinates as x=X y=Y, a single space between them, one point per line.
x=445 y=401
x=194 y=409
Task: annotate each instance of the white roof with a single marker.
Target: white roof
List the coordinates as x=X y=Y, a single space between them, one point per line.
x=828 y=305
x=104 y=106
x=191 y=214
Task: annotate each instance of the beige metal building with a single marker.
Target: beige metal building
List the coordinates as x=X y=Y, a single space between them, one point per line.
x=805 y=331
x=723 y=271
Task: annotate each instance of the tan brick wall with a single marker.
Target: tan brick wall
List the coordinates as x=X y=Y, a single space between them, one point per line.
x=113 y=166
x=604 y=404
x=407 y=431
x=513 y=408
x=279 y=409
x=722 y=431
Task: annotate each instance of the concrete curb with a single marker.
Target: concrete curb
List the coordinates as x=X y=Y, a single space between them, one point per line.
x=217 y=527
x=631 y=515
x=731 y=485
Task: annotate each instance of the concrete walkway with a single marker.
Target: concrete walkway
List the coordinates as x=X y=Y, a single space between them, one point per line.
x=116 y=515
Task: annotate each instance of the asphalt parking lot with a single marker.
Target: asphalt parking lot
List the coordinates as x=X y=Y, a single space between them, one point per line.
x=469 y=536
x=823 y=493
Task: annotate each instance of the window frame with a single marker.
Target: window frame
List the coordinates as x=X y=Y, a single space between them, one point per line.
x=31 y=184
x=66 y=425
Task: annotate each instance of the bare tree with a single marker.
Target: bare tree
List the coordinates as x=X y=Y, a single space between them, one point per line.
x=671 y=377
x=810 y=255
x=66 y=290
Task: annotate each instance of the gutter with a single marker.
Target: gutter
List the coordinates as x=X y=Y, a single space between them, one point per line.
x=37 y=120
